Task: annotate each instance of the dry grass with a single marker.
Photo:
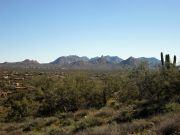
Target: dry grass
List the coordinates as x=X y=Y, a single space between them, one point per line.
x=137 y=126
x=94 y=123
x=170 y=126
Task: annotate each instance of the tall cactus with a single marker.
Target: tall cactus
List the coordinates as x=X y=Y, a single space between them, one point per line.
x=162 y=59
x=168 y=63
x=168 y=58
x=174 y=61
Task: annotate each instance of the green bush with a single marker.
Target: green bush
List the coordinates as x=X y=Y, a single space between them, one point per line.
x=172 y=106
x=19 y=109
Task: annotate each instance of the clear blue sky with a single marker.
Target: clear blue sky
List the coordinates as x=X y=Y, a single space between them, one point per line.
x=46 y=29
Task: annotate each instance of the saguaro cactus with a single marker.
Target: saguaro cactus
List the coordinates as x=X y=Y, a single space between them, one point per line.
x=167 y=63
x=174 y=61
x=162 y=59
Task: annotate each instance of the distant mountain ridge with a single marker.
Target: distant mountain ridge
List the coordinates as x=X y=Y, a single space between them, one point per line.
x=64 y=60
x=131 y=61
x=69 y=59
x=26 y=61
x=106 y=59
x=76 y=62
x=72 y=59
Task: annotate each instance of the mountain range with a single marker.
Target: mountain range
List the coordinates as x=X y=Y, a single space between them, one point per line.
x=76 y=62
x=108 y=60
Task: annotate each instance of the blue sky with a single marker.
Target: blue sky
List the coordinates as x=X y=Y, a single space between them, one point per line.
x=46 y=29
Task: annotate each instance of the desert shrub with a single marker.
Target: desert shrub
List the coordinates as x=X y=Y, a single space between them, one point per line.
x=104 y=112
x=47 y=106
x=56 y=132
x=90 y=93
x=3 y=113
x=145 y=108
x=20 y=104
x=21 y=108
x=39 y=123
x=128 y=90
x=136 y=127
x=124 y=114
x=53 y=130
x=80 y=114
x=87 y=122
x=65 y=119
x=67 y=122
x=9 y=127
x=12 y=133
x=113 y=103
x=101 y=130
x=64 y=115
x=172 y=106
x=62 y=100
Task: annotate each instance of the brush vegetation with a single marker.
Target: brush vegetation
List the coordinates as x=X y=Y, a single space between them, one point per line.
x=138 y=101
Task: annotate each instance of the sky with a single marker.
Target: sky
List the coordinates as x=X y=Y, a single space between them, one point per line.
x=44 y=30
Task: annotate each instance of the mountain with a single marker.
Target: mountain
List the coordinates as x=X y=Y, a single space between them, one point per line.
x=25 y=62
x=131 y=61
x=151 y=61
x=33 y=64
x=113 y=59
x=103 y=62
x=64 y=60
x=73 y=59
x=106 y=59
x=76 y=62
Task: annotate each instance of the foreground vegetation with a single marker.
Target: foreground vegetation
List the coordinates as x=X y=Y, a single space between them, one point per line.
x=134 y=101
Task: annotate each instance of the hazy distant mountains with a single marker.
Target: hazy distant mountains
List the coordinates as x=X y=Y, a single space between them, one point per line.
x=64 y=60
x=103 y=62
x=106 y=59
x=131 y=61
x=76 y=62
x=25 y=62
x=97 y=60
